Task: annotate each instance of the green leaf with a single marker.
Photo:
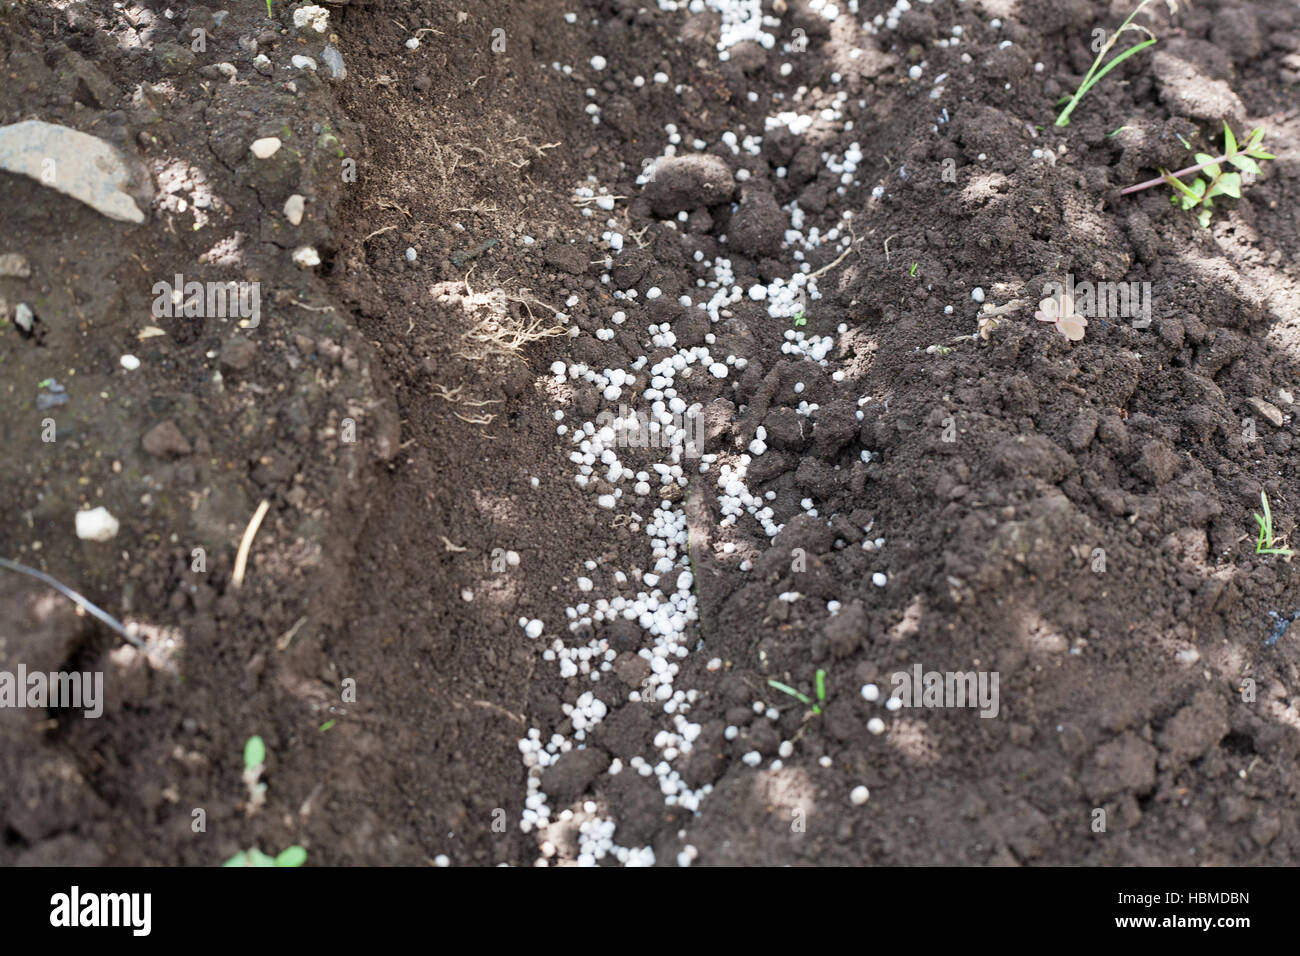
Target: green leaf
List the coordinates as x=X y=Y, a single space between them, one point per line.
x=1198 y=187
x=1203 y=217
x=1229 y=141
x=1256 y=137
x=258 y=858
x=1211 y=166
x=1245 y=164
x=1100 y=75
x=1178 y=185
x=293 y=856
x=254 y=753
x=1230 y=183
x=787 y=689
x=239 y=859
x=1260 y=154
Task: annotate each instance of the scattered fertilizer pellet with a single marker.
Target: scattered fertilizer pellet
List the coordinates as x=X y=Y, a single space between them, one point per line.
x=859 y=795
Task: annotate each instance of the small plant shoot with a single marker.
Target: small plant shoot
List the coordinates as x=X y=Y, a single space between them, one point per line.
x=1097 y=71
x=1199 y=195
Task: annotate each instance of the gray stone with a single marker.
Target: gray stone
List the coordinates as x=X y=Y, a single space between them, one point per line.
x=14 y=265
x=74 y=163
x=333 y=61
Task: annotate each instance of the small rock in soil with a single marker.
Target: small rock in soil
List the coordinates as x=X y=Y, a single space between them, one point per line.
x=165 y=440
x=14 y=265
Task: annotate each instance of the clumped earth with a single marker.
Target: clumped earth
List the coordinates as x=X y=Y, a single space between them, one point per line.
x=887 y=480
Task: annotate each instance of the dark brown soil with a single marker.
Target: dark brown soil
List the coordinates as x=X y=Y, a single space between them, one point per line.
x=1075 y=516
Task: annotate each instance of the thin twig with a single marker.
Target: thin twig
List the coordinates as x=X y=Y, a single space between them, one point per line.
x=241 y=559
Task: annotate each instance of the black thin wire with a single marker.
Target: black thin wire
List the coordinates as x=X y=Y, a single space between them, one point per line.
x=72 y=595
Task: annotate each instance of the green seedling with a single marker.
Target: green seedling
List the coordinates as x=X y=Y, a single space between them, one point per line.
x=799 y=319
x=1266 y=543
x=912 y=271
x=268 y=9
x=254 y=764
x=292 y=856
x=1097 y=72
x=1218 y=181
x=802 y=697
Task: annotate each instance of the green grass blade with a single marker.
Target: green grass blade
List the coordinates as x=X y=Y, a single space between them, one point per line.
x=1089 y=84
x=787 y=689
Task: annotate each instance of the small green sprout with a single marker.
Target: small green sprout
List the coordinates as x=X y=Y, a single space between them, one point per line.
x=1200 y=194
x=45 y=383
x=912 y=271
x=802 y=697
x=268 y=9
x=799 y=319
x=1266 y=544
x=1097 y=72
x=327 y=725
x=254 y=764
x=292 y=856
